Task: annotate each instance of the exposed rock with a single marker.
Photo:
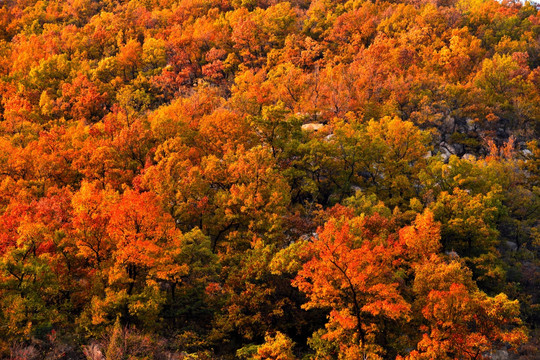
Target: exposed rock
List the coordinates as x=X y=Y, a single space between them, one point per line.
x=445 y=154
x=305 y=237
x=471 y=124
x=511 y=245
x=312 y=126
x=449 y=148
x=459 y=148
x=498 y=355
x=449 y=124
x=469 y=157
x=446 y=151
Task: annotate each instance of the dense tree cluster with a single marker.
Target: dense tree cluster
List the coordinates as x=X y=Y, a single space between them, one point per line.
x=256 y=179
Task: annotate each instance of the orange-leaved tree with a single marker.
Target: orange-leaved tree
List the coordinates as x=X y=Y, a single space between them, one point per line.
x=353 y=274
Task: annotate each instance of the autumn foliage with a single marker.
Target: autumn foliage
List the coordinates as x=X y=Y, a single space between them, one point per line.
x=263 y=179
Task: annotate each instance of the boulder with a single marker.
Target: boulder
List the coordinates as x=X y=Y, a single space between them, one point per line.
x=312 y=126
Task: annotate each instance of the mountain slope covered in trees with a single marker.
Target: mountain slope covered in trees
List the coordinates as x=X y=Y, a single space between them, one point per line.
x=256 y=179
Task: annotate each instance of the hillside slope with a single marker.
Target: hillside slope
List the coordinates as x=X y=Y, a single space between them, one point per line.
x=256 y=179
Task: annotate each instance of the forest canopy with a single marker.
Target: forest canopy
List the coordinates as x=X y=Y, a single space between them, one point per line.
x=257 y=179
